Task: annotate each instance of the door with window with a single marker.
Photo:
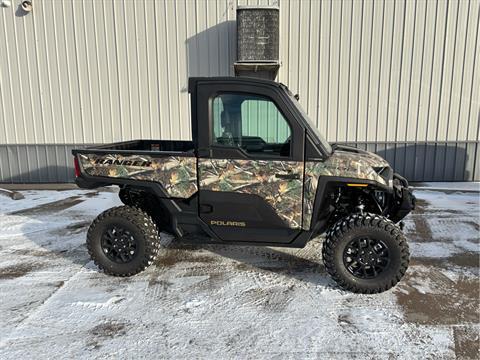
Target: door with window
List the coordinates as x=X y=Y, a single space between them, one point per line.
x=251 y=176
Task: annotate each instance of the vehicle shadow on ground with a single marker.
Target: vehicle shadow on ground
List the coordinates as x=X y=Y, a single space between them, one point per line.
x=264 y=260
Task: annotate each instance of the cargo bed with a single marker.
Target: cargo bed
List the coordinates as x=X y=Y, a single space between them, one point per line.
x=171 y=164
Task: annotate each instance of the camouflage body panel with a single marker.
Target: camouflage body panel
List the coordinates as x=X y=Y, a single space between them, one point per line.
x=349 y=164
x=178 y=175
x=258 y=177
x=339 y=164
x=309 y=193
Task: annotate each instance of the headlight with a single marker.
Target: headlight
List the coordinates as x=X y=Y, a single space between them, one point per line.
x=386 y=173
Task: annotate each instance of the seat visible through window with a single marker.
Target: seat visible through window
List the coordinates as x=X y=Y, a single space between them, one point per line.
x=252 y=123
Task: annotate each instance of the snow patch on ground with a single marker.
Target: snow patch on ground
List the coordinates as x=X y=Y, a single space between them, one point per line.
x=451 y=186
x=437 y=249
x=444 y=225
x=99 y=303
x=225 y=301
x=460 y=201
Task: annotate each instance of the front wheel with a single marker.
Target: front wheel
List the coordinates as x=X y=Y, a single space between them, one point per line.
x=366 y=253
x=123 y=241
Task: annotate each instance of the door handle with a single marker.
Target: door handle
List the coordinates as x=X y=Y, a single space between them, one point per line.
x=288 y=176
x=206 y=208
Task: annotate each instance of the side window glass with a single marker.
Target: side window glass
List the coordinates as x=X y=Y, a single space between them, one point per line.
x=252 y=123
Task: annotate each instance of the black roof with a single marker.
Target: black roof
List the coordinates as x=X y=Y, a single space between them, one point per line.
x=192 y=81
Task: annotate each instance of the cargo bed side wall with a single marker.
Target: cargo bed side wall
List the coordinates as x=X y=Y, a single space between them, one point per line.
x=176 y=174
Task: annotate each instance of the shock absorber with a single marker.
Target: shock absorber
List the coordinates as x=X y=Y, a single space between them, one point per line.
x=361 y=205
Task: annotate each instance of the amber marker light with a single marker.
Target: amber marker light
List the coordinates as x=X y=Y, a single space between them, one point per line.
x=357 y=185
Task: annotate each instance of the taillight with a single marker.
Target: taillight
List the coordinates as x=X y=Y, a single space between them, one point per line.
x=77 y=167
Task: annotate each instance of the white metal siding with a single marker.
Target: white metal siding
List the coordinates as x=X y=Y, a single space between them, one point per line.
x=94 y=71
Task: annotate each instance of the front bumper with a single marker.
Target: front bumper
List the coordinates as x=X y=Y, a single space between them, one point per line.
x=404 y=200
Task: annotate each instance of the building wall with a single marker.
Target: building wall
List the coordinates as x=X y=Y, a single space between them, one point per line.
x=401 y=78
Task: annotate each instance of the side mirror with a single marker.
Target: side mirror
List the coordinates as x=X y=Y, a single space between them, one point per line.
x=297 y=97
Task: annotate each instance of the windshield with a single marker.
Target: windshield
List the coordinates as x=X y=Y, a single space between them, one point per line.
x=310 y=125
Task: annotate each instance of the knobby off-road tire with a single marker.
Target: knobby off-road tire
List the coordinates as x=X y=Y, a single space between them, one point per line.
x=123 y=226
x=350 y=232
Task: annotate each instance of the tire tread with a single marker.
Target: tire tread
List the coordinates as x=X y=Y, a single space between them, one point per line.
x=337 y=233
x=146 y=226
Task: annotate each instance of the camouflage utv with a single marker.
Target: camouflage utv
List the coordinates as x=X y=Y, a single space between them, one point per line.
x=256 y=173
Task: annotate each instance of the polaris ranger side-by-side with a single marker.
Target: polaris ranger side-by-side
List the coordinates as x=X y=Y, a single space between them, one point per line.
x=256 y=173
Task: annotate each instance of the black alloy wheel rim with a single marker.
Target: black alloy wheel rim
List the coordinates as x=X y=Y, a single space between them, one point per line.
x=366 y=258
x=119 y=245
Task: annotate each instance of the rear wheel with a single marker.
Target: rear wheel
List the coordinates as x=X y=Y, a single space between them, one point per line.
x=123 y=241
x=365 y=253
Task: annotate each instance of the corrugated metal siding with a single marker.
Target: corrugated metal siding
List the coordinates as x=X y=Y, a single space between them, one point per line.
x=385 y=71
x=391 y=73
x=36 y=163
